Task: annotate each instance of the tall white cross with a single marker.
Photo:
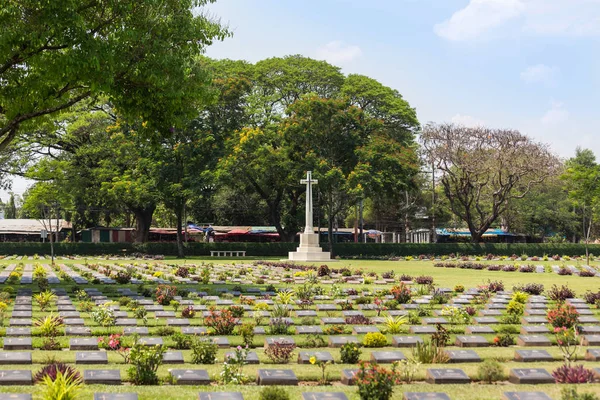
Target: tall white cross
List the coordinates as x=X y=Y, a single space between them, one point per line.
x=309 y=201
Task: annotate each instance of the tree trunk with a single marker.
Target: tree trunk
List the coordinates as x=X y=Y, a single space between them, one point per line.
x=330 y=235
x=178 y=214
x=143 y=220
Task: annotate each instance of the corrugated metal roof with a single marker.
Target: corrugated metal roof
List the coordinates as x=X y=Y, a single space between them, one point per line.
x=29 y=226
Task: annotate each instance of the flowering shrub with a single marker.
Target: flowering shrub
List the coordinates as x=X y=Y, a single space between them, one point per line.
x=587 y=274
x=560 y=294
x=323 y=270
x=530 y=288
x=401 y=293
x=165 y=293
x=424 y=280
x=527 y=268
x=350 y=353
x=564 y=271
x=459 y=288
x=567 y=340
x=509 y=268
x=379 y=305
x=237 y=311
x=232 y=368
x=573 y=374
x=123 y=277
x=358 y=320
x=204 y=351
x=563 y=315
x=591 y=297
x=375 y=382
x=504 y=340
x=279 y=326
x=280 y=352
x=188 y=312
x=495 y=286
x=222 y=322
x=471 y=311
x=182 y=272
x=113 y=342
x=515 y=308
x=334 y=330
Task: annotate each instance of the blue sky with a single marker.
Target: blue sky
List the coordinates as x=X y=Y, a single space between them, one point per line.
x=531 y=65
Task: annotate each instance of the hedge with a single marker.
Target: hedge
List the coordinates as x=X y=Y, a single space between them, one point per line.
x=344 y=250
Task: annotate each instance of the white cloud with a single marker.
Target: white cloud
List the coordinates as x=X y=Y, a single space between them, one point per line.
x=467 y=120
x=478 y=17
x=557 y=114
x=538 y=17
x=540 y=74
x=338 y=52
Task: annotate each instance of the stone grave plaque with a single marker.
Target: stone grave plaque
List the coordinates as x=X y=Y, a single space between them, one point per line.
x=115 y=396
x=15 y=377
x=102 y=376
x=15 y=396
x=21 y=314
x=588 y=320
x=18 y=331
x=251 y=359
x=490 y=313
x=387 y=357
x=306 y=313
x=530 y=376
x=77 y=331
x=425 y=396
x=339 y=341
x=446 y=376
x=533 y=340
x=362 y=330
x=15 y=357
x=69 y=314
x=276 y=377
x=463 y=356
x=591 y=340
x=220 y=396
x=83 y=344
x=324 y=396
x=349 y=376
x=590 y=329
x=333 y=321
x=532 y=355
x=534 y=329
x=140 y=330
x=534 y=312
x=74 y=321
x=471 y=341
x=178 y=322
x=259 y=330
x=151 y=341
x=474 y=330
x=434 y=321
x=164 y=314
x=422 y=330
x=190 y=376
x=534 y=320
x=173 y=357
x=304 y=356
x=22 y=307
x=592 y=354
x=406 y=341
x=91 y=357
x=309 y=330
x=221 y=341
x=19 y=322
x=326 y=307
x=126 y=322
x=193 y=330
x=526 y=396
x=17 y=343
x=486 y=320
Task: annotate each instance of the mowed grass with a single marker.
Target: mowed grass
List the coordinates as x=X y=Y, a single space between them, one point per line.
x=443 y=277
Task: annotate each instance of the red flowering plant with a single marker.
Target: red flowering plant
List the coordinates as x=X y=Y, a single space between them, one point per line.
x=563 y=315
x=401 y=293
x=165 y=293
x=376 y=382
x=568 y=341
x=379 y=306
x=113 y=342
x=222 y=322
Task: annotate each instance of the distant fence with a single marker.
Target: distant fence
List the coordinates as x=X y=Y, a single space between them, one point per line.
x=344 y=250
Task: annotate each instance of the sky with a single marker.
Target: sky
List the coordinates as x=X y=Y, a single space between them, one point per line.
x=530 y=65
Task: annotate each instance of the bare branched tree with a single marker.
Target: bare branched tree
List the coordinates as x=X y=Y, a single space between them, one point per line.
x=482 y=169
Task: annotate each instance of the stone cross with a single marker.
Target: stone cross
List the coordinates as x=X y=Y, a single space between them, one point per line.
x=309 y=201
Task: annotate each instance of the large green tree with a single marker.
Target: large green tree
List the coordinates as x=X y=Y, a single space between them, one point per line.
x=54 y=54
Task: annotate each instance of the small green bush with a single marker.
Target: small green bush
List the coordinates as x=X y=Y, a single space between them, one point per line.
x=273 y=393
x=490 y=371
x=350 y=353
x=375 y=339
x=204 y=351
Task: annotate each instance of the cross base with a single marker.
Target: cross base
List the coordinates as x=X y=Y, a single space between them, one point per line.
x=309 y=249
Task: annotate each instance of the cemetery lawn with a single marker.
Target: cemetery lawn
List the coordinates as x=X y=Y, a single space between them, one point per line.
x=308 y=375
